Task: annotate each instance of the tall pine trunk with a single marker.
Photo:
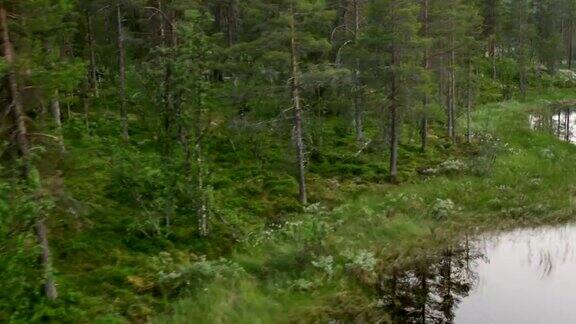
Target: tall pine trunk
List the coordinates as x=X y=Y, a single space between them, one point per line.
x=393 y=109
x=426 y=100
x=92 y=56
x=202 y=203
x=522 y=57
x=46 y=259
x=522 y=73
x=445 y=287
x=567 y=122
x=469 y=104
x=85 y=96
x=298 y=133
x=452 y=94
x=493 y=57
x=55 y=110
x=358 y=111
x=570 y=43
x=57 y=117
x=168 y=103
x=203 y=217
x=24 y=148
x=423 y=292
x=122 y=75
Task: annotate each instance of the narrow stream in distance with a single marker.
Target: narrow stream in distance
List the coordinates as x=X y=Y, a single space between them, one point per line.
x=523 y=276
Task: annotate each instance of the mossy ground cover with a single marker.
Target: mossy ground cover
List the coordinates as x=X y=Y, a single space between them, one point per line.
x=268 y=260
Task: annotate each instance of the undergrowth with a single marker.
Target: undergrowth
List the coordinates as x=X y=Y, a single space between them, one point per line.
x=324 y=263
x=268 y=260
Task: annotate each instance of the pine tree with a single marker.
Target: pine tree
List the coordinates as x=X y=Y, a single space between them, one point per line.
x=393 y=36
x=549 y=45
x=491 y=12
x=193 y=59
x=41 y=26
x=291 y=41
x=520 y=34
x=452 y=27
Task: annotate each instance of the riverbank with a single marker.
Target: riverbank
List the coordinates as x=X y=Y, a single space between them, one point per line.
x=327 y=264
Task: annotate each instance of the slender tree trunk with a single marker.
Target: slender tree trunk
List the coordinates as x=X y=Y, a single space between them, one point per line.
x=559 y=115
x=441 y=84
x=393 y=139
x=171 y=116
x=551 y=124
x=24 y=148
x=16 y=104
x=55 y=108
x=452 y=94
x=426 y=100
x=232 y=22
x=86 y=105
x=46 y=259
x=469 y=104
x=203 y=217
x=563 y=34
x=450 y=111
x=358 y=111
x=92 y=54
x=522 y=74
x=395 y=296
x=492 y=52
x=570 y=43
x=108 y=28
x=522 y=51
x=162 y=28
x=447 y=298
x=394 y=117
x=567 y=117
x=176 y=95
x=298 y=133
x=57 y=117
x=168 y=109
x=202 y=208
x=122 y=75
x=424 y=291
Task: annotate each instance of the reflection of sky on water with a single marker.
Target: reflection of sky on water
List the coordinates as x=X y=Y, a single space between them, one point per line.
x=526 y=276
x=529 y=276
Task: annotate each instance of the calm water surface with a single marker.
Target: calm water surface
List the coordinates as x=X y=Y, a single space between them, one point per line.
x=560 y=122
x=528 y=276
x=524 y=276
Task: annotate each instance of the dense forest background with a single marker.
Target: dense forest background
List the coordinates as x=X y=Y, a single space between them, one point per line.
x=143 y=136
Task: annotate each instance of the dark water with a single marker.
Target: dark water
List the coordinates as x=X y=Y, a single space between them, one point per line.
x=560 y=122
x=524 y=276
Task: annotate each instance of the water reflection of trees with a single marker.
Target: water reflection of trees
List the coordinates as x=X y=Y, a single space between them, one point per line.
x=558 y=121
x=431 y=287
